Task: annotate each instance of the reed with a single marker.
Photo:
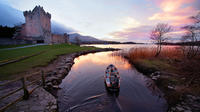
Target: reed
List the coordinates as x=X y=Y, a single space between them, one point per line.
x=149 y=53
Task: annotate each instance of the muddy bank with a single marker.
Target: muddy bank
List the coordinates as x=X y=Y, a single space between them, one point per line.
x=57 y=71
x=168 y=84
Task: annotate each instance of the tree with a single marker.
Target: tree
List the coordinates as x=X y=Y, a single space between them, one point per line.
x=7 y=32
x=77 y=41
x=192 y=36
x=158 y=35
x=66 y=38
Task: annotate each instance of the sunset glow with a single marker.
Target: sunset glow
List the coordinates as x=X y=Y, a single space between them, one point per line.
x=119 y=20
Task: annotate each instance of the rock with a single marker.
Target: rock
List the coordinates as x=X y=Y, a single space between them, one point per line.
x=50 y=79
x=59 y=68
x=188 y=108
x=170 y=87
x=187 y=111
x=54 y=107
x=69 y=60
x=54 y=73
x=56 y=82
x=62 y=71
x=51 y=73
x=35 y=95
x=69 y=64
x=56 y=87
x=173 y=109
x=49 y=84
x=180 y=108
x=189 y=96
x=60 y=76
x=154 y=78
x=157 y=73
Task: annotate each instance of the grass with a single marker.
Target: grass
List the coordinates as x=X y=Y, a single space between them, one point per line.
x=156 y=64
x=145 y=60
x=51 y=52
x=12 y=46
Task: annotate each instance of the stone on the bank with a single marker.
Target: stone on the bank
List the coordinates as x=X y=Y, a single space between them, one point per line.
x=179 y=108
x=170 y=87
x=56 y=87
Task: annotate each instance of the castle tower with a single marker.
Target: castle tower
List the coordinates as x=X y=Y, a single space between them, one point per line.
x=38 y=25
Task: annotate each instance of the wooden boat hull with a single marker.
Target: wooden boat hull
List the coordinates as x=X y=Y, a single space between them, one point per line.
x=112 y=78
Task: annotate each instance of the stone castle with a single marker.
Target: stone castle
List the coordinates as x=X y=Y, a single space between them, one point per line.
x=37 y=28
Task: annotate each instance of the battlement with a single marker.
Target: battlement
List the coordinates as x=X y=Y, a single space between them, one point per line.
x=37 y=11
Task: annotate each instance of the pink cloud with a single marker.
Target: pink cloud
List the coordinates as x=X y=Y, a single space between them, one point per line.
x=138 y=34
x=173 y=5
x=175 y=12
x=142 y=34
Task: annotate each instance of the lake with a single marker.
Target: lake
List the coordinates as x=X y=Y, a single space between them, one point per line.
x=83 y=89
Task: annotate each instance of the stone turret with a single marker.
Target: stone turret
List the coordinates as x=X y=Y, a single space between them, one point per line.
x=37 y=28
x=37 y=9
x=38 y=25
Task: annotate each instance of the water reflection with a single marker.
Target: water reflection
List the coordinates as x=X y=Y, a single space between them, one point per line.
x=84 y=90
x=127 y=47
x=101 y=59
x=121 y=46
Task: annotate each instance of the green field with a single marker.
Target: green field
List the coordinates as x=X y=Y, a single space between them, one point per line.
x=49 y=53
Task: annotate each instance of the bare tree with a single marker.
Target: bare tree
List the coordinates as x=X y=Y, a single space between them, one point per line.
x=192 y=36
x=158 y=35
x=196 y=18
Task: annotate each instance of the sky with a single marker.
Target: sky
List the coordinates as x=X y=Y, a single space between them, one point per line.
x=118 y=20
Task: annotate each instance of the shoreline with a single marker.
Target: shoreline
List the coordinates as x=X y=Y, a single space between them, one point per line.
x=54 y=77
x=54 y=72
x=176 y=102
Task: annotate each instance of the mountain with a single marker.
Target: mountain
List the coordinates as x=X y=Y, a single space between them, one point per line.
x=10 y=16
x=72 y=38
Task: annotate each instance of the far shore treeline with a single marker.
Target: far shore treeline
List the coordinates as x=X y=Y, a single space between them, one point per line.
x=7 y=32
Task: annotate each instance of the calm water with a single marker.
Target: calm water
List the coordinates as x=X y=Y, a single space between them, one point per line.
x=121 y=46
x=127 y=47
x=84 y=90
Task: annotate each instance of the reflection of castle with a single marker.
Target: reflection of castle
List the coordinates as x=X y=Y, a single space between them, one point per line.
x=37 y=28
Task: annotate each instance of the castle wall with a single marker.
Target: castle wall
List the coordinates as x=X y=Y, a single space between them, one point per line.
x=38 y=28
x=45 y=22
x=38 y=25
x=32 y=26
x=57 y=39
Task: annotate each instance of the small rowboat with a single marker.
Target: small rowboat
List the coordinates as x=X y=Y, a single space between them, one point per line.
x=112 y=78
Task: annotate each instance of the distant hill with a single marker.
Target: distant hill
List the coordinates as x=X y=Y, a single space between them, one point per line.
x=128 y=43
x=92 y=40
x=182 y=43
x=83 y=39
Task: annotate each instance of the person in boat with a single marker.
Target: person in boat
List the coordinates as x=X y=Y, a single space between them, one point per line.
x=112 y=72
x=116 y=80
